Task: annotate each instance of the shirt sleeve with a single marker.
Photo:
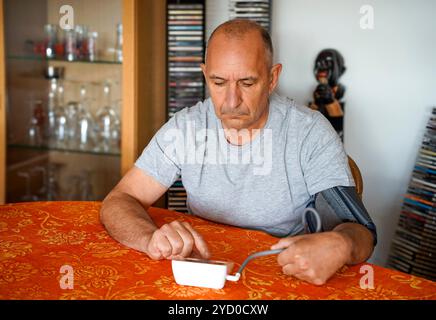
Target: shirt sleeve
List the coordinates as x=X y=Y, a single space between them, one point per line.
x=323 y=158
x=159 y=159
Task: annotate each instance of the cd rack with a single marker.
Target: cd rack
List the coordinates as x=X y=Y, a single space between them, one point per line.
x=186 y=45
x=413 y=247
x=255 y=10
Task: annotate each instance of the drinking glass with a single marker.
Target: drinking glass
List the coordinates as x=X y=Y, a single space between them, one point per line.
x=51 y=38
x=91 y=46
x=70 y=45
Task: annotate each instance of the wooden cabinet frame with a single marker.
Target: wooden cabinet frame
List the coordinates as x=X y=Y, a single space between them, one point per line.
x=143 y=80
x=2 y=110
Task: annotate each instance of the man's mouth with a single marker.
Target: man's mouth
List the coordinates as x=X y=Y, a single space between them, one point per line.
x=234 y=115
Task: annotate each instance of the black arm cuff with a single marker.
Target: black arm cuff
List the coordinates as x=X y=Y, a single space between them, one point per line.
x=342 y=204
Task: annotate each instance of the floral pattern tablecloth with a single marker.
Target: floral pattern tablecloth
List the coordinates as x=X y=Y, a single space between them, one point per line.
x=37 y=239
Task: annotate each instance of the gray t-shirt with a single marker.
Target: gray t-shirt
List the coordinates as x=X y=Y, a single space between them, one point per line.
x=265 y=184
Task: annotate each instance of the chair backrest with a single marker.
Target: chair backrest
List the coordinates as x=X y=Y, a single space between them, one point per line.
x=357 y=176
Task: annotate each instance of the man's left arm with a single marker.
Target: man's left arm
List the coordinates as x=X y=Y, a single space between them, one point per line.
x=349 y=237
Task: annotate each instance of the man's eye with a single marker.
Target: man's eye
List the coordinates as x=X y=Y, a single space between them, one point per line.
x=247 y=84
x=219 y=84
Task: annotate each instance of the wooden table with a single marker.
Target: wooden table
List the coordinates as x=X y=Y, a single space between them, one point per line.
x=37 y=239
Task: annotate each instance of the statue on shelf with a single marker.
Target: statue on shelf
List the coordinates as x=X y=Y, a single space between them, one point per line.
x=329 y=67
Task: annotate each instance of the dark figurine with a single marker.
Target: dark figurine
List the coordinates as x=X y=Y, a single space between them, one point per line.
x=329 y=67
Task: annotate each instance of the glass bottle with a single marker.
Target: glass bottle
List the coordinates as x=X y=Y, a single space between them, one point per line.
x=106 y=120
x=119 y=44
x=36 y=125
x=85 y=123
x=72 y=113
x=61 y=120
x=116 y=136
x=51 y=113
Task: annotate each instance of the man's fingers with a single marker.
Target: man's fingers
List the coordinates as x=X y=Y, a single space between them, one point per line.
x=287 y=256
x=162 y=244
x=153 y=252
x=174 y=239
x=177 y=239
x=283 y=243
x=187 y=238
x=199 y=242
x=291 y=269
x=309 y=276
x=295 y=270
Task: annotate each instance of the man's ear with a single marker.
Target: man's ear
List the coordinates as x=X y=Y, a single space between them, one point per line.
x=203 y=68
x=274 y=76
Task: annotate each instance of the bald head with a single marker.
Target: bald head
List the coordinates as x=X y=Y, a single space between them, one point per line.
x=239 y=29
x=239 y=73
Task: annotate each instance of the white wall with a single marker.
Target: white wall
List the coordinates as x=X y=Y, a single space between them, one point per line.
x=391 y=86
x=217 y=12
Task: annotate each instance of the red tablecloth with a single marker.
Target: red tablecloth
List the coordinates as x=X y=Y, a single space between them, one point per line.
x=37 y=239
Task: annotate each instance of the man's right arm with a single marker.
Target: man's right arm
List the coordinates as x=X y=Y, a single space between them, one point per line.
x=124 y=214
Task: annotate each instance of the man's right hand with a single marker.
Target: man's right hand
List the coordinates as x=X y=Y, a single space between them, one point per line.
x=176 y=239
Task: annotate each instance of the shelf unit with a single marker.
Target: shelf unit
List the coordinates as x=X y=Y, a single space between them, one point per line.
x=141 y=75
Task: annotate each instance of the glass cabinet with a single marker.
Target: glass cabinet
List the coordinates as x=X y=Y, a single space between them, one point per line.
x=70 y=133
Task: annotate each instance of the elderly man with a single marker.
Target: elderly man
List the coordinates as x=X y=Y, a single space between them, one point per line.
x=247 y=158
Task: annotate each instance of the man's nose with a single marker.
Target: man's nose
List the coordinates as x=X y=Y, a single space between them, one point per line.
x=233 y=96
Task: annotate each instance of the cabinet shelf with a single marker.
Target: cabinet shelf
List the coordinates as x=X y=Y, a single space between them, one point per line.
x=66 y=150
x=41 y=58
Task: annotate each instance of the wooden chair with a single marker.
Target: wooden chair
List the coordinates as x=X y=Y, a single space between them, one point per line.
x=357 y=176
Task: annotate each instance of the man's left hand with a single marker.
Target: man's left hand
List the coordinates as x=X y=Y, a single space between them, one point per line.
x=313 y=257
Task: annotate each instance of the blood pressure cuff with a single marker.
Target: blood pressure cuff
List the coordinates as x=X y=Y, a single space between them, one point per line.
x=339 y=205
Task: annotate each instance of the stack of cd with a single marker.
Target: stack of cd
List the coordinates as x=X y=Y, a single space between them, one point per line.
x=414 y=245
x=256 y=10
x=185 y=78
